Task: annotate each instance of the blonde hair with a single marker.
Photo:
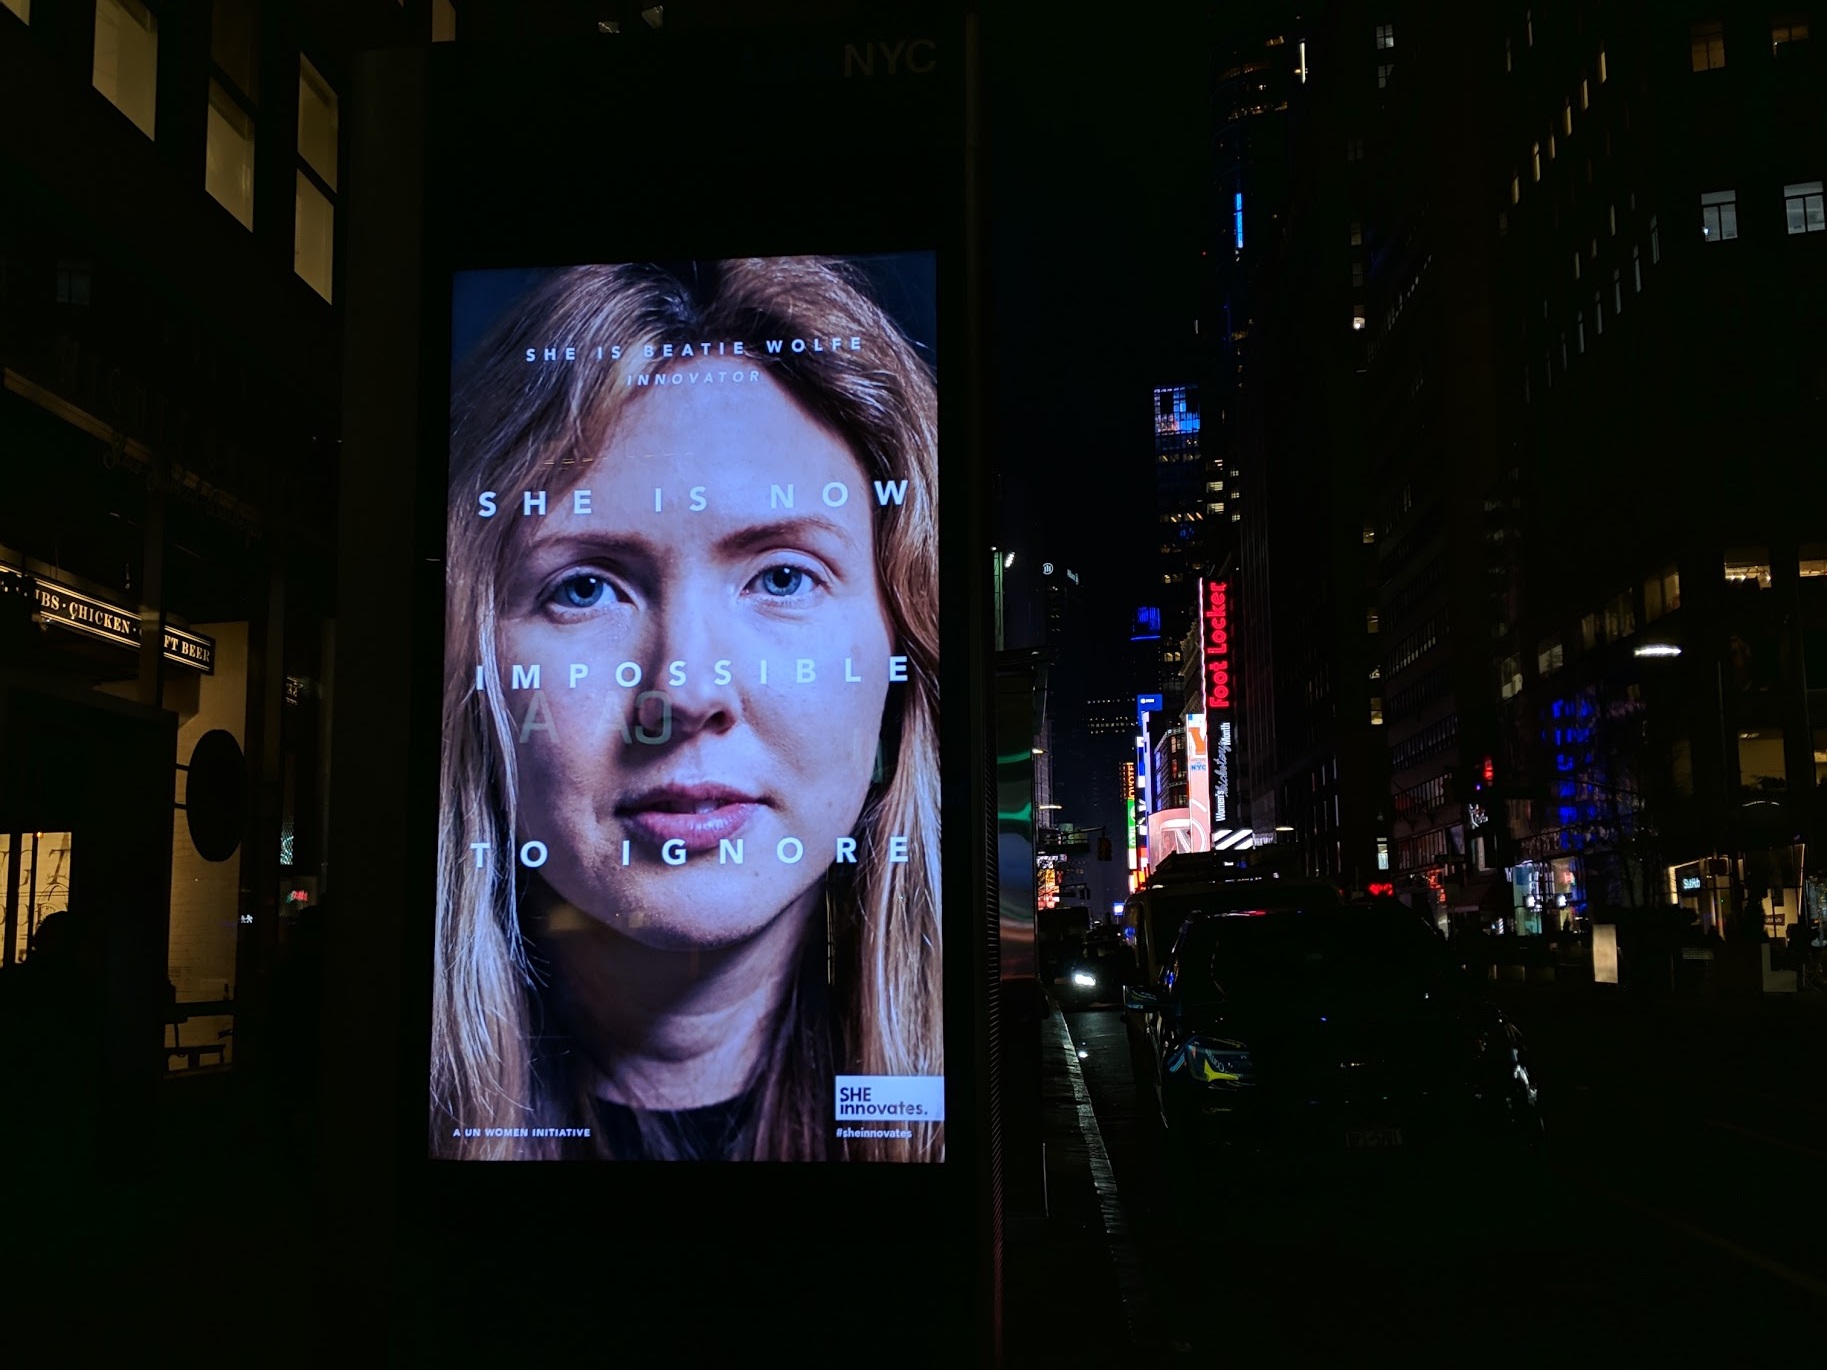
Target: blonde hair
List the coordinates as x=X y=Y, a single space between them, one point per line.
x=497 y=1059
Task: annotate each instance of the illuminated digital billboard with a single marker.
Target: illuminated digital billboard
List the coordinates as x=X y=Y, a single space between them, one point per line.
x=688 y=886
x=1215 y=639
x=1198 y=784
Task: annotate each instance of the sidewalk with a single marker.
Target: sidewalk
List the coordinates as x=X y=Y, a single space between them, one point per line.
x=1073 y=1294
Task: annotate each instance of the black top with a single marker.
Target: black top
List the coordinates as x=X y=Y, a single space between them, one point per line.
x=716 y=1132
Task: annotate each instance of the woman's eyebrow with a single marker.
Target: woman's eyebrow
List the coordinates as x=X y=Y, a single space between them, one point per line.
x=797 y=529
x=609 y=542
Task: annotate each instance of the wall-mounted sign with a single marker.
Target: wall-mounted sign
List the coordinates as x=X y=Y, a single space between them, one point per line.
x=97 y=618
x=1217 y=616
x=1690 y=884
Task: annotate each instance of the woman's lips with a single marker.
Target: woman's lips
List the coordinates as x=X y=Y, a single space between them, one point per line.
x=700 y=817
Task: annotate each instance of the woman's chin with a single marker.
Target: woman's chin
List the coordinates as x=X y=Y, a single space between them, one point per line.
x=674 y=912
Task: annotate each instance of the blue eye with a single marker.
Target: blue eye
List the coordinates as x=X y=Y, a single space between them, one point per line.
x=784 y=581
x=581 y=591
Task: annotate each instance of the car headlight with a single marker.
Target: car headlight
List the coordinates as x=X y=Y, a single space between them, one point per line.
x=1084 y=978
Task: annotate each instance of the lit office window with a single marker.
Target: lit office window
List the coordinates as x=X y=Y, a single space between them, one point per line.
x=1376 y=711
x=1785 y=31
x=1383 y=72
x=1516 y=190
x=1707 y=44
x=1508 y=62
x=228 y=155
x=1386 y=36
x=1802 y=206
x=1719 y=215
x=234 y=46
x=1371 y=622
x=1576 y=266
x=1357 y=234
x=1549 y=656
x=1748 y=566
x=1585 y=93
x=1813 y=560
x=1613 y=221
x=314 y=207
x=126 y=66
x=234 y=95
x=443 y=21
x=314 y=240
x=1567 y=117
x=22 y=8
x=1529 y=26
x=1535 y=160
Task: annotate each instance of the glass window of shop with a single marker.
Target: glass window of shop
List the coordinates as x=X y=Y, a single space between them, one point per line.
x=1549 y=894
x=35 y=868
x=205 y=894
x=1702 y=888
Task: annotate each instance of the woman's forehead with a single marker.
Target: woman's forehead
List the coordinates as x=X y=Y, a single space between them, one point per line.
x=702 y=424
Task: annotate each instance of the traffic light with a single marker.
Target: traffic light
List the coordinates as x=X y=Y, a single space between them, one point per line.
x=1103 y=849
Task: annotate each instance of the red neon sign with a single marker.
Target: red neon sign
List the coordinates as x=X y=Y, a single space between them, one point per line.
x=1217 y=645
x=1382 y=889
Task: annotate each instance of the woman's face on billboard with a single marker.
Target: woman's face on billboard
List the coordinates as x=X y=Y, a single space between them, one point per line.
x=713 y=670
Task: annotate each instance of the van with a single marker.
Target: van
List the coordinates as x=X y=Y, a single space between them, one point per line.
x=1158 y=911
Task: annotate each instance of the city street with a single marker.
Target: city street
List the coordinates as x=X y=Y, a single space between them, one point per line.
x=1681 y=1212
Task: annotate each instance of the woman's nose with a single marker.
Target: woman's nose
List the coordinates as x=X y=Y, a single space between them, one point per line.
x=695 y=672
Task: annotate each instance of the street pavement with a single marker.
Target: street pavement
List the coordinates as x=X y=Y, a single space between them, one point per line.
x=1681 y=1212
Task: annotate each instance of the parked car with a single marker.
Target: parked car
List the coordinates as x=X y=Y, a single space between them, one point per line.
x=1301 y=1033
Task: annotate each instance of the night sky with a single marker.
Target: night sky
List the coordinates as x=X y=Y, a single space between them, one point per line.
x=1099 y=168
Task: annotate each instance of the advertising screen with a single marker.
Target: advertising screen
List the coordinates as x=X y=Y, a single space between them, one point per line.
x=688 y=886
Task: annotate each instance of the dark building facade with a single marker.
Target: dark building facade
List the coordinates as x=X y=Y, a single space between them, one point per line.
x=1530 y=431
x=1663 y=256
x=171 y=337
x=1306 y=576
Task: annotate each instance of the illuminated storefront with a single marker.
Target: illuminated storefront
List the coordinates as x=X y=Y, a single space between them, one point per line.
x=1547 y=895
